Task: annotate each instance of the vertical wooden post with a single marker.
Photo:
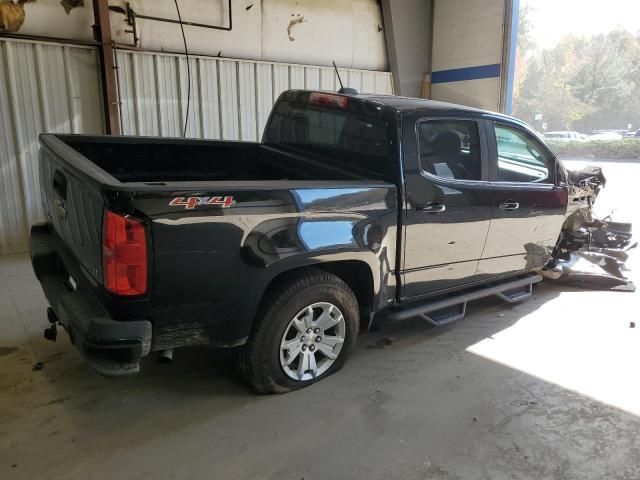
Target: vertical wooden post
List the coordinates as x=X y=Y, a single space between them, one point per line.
x=102 y=34
x=426 y=85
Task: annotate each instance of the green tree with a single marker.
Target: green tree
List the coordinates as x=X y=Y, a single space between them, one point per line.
x=583 y=83
x=525 y=42
x=545 y=89
x=608 y=80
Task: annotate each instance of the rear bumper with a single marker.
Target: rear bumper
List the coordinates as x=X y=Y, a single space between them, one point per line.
x=110 y=346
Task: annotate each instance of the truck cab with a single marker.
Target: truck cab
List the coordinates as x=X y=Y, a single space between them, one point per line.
x=483 y=197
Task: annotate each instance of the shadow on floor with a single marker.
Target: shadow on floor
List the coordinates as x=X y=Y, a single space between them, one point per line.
x=412 y=402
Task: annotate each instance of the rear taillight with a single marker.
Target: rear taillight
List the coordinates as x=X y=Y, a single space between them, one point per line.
x=124 y=255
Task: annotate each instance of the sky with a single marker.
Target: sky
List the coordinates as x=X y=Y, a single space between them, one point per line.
x=553 y=19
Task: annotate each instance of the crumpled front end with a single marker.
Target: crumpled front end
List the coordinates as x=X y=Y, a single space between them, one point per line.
x=590 y=252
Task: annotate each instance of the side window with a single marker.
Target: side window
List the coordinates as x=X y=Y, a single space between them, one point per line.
x=450 y=149
x=521 y=158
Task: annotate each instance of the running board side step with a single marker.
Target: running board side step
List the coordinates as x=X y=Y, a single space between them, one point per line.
x=516 y=295
x=452 y=308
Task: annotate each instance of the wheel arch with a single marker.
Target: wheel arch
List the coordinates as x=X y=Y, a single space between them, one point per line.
x=356 y=274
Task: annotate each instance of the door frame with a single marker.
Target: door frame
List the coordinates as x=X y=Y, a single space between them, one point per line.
x=411 y=166
x=549 y=188
x=492 y=154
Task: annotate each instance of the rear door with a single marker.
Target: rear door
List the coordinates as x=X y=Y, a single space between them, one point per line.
x=529 y=203
x=448 y=202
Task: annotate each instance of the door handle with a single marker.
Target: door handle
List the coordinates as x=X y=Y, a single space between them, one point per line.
x=509 y=205
x=432 y=207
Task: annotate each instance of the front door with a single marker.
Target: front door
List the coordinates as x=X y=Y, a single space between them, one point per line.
x=448 y=203
x=529 y=208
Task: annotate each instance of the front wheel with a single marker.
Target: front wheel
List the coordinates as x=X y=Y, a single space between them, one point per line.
x=304 y=331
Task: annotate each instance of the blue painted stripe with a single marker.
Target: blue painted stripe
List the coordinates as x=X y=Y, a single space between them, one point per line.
x=468 y=73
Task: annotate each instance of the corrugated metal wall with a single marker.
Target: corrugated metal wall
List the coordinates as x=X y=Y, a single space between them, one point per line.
x=43 y=88
x=230 y=99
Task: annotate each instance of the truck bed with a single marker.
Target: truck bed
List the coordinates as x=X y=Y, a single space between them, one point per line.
x=222 y=218
x=153 y=160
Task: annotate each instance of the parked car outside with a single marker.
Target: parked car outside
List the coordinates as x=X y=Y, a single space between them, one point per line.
x=605 y=136
x=563 y=136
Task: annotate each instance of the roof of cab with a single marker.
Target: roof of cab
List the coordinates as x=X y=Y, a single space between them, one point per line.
x=410 y=104
x=404 y=104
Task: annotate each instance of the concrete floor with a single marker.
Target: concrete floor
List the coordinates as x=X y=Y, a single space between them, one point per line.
x=545 y=389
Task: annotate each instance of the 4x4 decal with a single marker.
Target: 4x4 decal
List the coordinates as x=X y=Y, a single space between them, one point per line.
x=189 y=203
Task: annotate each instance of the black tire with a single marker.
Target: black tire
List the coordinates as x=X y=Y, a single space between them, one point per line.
x=259 y=359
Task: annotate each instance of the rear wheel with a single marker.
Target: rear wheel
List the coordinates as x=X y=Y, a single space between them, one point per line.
x=304 y=332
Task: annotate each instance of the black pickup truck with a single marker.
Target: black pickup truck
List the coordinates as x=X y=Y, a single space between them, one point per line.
x=353 y=208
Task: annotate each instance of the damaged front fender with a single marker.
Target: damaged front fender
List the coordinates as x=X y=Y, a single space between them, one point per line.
x=590 y=252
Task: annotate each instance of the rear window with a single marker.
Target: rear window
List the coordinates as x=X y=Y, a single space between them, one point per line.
x=338 y=129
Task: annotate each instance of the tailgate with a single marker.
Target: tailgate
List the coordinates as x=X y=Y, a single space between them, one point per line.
x=73 y=203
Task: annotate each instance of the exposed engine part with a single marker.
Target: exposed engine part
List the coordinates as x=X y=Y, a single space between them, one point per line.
x=590 y=252
x=588 y=176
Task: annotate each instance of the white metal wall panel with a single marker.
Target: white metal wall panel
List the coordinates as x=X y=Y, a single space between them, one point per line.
x=328 y=79
x=280 y=80
x=354 y=79
x=128 y=120
x=312 y=78
x=230 y=99
x=296 y=76
x=166 y=72
x=368 y=82
x=43 y=88
x=228 y=96
x=145 y=91
x=247 y=101
x=12 y=210
x=28 y=121
x=194 y=127
x=264 y=90
x=209 y=103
